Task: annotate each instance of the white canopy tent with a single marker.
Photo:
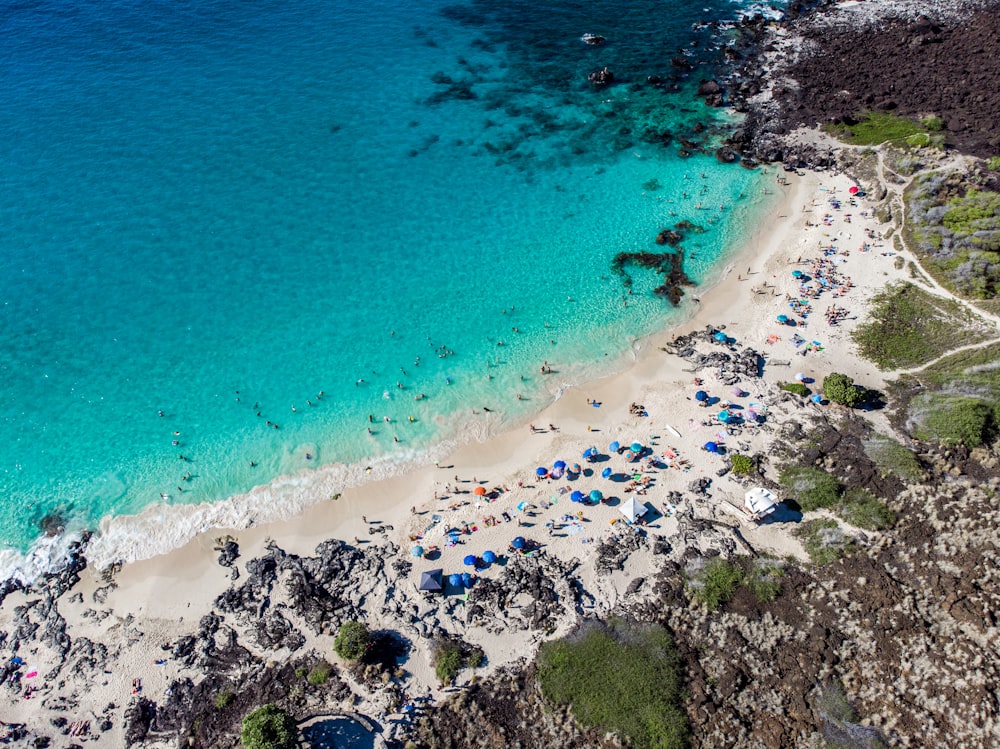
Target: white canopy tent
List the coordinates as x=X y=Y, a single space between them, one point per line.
x=633 y=509
x=759 y=503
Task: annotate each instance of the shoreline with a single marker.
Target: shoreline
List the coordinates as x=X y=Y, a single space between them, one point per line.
x=121 y=539
x=387 y=498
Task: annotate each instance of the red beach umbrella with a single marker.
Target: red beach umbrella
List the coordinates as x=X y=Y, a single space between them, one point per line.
x=479 y=491
x=854 y=190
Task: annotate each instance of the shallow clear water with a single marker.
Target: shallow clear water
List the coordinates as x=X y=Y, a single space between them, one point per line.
x=212 y=211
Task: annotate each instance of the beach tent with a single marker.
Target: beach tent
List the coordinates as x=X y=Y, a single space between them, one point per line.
x=431 y=581
x=759 y=502
x=489 y=557
x=633 y=509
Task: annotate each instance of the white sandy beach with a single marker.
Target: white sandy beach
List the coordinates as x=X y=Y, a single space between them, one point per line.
x=158 y=599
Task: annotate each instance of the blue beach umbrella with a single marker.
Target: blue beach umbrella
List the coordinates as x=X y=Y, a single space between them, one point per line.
x=417 y=551
x=559 y=465
x=720 y=337
x=723 y=416
x=614 y=446
x=540 y=471
x=817 y=398
x=701 y=396
x=605 y=473
x=783 y=319
x=489 y=557
x=455 y=580
x=711 y=447
x=595 y=495
x=470 y=560
x=518 y=542
x=636 y=447
x=588 y=452
x=796 y=274
x=576 y=497
x=467 y=580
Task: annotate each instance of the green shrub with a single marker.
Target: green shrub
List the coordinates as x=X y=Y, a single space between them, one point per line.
x=875 y=128
x=716 y=582
x=764 y=580
x=623 y=678
x=839 y=388
x=993 y=163
x=958 y=421
x=319 y=673
x=269 y=727
x=742 y=464
x=796 y=388
x=932 y=123
x=352 y=640
x=223 y=700
x=448 y=661
x=823 y=540
x=862 y=509
x=812 y=488
x=892 y=458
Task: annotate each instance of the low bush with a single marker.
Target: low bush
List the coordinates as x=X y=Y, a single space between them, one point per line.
x=452 y=655
x=796 y=388
x=319 y=673
x=742 y=464
x=223 y=700
x=269 y=727
x=764 y=580
x=813 y=488
x=823 y=540
x=893 y=458
x=862 y=509
x=621 y=678
x=716 y=582
x=955 y=420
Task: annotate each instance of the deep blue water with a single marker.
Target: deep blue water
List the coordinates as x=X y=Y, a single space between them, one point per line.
x=215 y=209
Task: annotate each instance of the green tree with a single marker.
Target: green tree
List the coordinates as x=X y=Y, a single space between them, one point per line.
x=352 y=640
x=839 y=388
x=269 y=727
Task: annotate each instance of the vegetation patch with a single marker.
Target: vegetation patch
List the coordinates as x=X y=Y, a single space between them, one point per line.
x=874 y=128
x=823 y=540
x=796 y=388
x=319 y=673
x=813 y=488
x=953 y=223
x=839 y=388
x=452 y=655
x=908 y=326
x=269 y=727
x=953 y=419
x=742 y=464
x=893 y=458
x=715 y=581
x=862 y=509
x=624 y=678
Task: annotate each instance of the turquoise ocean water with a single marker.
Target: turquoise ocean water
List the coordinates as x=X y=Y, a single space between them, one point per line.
x=213 y=210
